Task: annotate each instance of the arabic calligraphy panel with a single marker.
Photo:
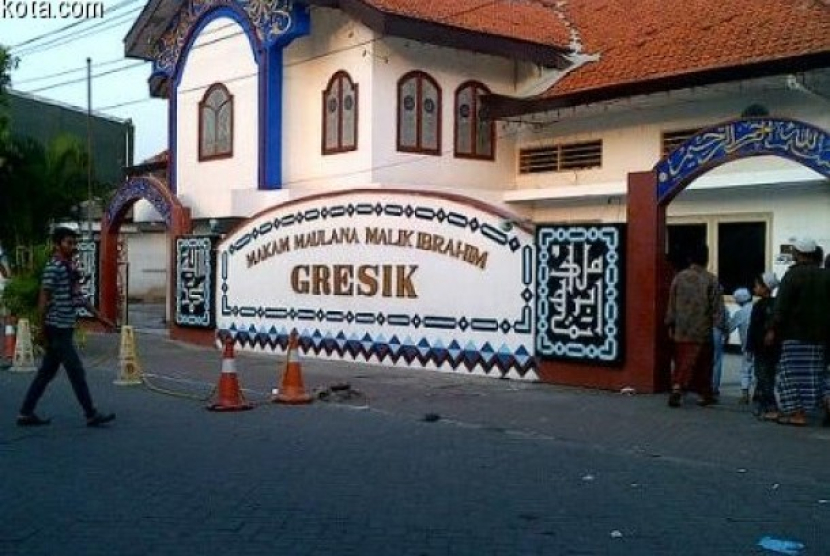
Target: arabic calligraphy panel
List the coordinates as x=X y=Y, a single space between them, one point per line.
x=195 y=275
x=86 y=259
x=580 y=286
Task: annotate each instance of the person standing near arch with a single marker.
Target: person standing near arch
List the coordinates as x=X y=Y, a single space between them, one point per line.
x=802 y=326
x=5 y=275
x=695 y=308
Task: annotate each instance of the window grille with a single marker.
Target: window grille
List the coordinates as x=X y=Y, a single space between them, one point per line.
x=340 y=114
x=673 y=139
x=419 y=114
x=216 y=123
x=557 y=158
x=474 y=136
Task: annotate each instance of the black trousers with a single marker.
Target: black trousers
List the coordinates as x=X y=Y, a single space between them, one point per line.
x=765 y=369
x=60 y=348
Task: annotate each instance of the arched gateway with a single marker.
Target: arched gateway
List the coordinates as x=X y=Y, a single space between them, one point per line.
x=646 y=366
x=176 y=218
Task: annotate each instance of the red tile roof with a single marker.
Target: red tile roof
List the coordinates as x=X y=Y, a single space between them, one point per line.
x=526 y=20
x=640 y=40
x=643 y=44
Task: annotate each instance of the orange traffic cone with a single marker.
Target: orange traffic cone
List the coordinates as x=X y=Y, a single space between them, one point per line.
x=291 y=389
x=10 y=339
x=229 y=395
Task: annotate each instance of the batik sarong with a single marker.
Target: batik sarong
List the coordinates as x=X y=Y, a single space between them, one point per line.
x=800 y=379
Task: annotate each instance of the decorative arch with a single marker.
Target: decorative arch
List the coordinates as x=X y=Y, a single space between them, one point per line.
x=189 y=33
x=649 y=194
x=176 y=218
x=173 y=46
x=648 y=273
x=712 y=147
x=269 y=27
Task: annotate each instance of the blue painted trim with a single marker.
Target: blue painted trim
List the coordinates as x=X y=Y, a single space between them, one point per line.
x=172 y=154
x=790 y=139
x=269 y=64
x=271 y=89
x=240 y=17
x=271 y=126
x=232 y=12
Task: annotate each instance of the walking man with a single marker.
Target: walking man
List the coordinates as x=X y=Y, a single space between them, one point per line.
x=58 y=303
x=695 y=308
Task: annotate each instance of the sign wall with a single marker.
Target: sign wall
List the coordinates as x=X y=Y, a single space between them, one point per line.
x=386 y=277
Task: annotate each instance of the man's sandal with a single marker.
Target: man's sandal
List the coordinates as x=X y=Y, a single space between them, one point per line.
x=792 y=421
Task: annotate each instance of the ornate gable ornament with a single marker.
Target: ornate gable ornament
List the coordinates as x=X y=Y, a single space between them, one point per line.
x=273 y=22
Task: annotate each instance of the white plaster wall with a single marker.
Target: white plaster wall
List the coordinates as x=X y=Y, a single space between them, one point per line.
x=143 y=211
x=376 y=63
x=632 y=143
x=206 y=187
x=336 y=43
x=396 y=57
x=148 y=257
x=792 y=210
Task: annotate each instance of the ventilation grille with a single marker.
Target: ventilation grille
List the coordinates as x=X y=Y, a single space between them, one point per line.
x=673 y=139
x=556 y=158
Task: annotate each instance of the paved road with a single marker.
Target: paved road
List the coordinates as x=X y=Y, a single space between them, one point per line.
x=507 y=468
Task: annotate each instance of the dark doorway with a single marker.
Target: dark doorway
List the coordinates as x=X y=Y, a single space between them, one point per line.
x=681 y=239
x=741 y=253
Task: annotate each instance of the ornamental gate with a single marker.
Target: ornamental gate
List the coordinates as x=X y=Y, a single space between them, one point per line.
x=574 y=331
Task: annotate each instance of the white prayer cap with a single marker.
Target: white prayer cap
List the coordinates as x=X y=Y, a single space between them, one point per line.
x=770 y=280
x=742 y=295
x=805 y=245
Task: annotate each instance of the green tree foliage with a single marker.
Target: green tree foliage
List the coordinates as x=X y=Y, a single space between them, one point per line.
x=21 y=292
x=6 y=65
x=42 y=185
x=38 y=184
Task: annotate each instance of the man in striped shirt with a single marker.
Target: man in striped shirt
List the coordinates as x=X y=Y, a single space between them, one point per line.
x=58 y=303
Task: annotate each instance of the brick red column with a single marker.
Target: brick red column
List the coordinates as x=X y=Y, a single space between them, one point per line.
x=648 y=278
x=109 y=268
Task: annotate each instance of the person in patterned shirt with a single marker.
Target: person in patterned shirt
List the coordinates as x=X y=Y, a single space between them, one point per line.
x=58 y=303
x=695 y=307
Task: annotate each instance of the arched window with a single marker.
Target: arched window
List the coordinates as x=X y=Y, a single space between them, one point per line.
x=475 y=137
x=340 y=114
x=216 y=123
x=419 y=114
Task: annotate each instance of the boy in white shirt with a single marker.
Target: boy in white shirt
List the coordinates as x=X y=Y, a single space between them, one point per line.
x=740 y=321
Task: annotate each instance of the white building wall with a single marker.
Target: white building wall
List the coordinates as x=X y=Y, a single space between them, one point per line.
x=793 y=200
x=148 y=256
x=631 y=139
x=206 y=187
x=481 y=178
x=792 y=210
x=630 y=130
x=375 y=64
x=336 y=43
